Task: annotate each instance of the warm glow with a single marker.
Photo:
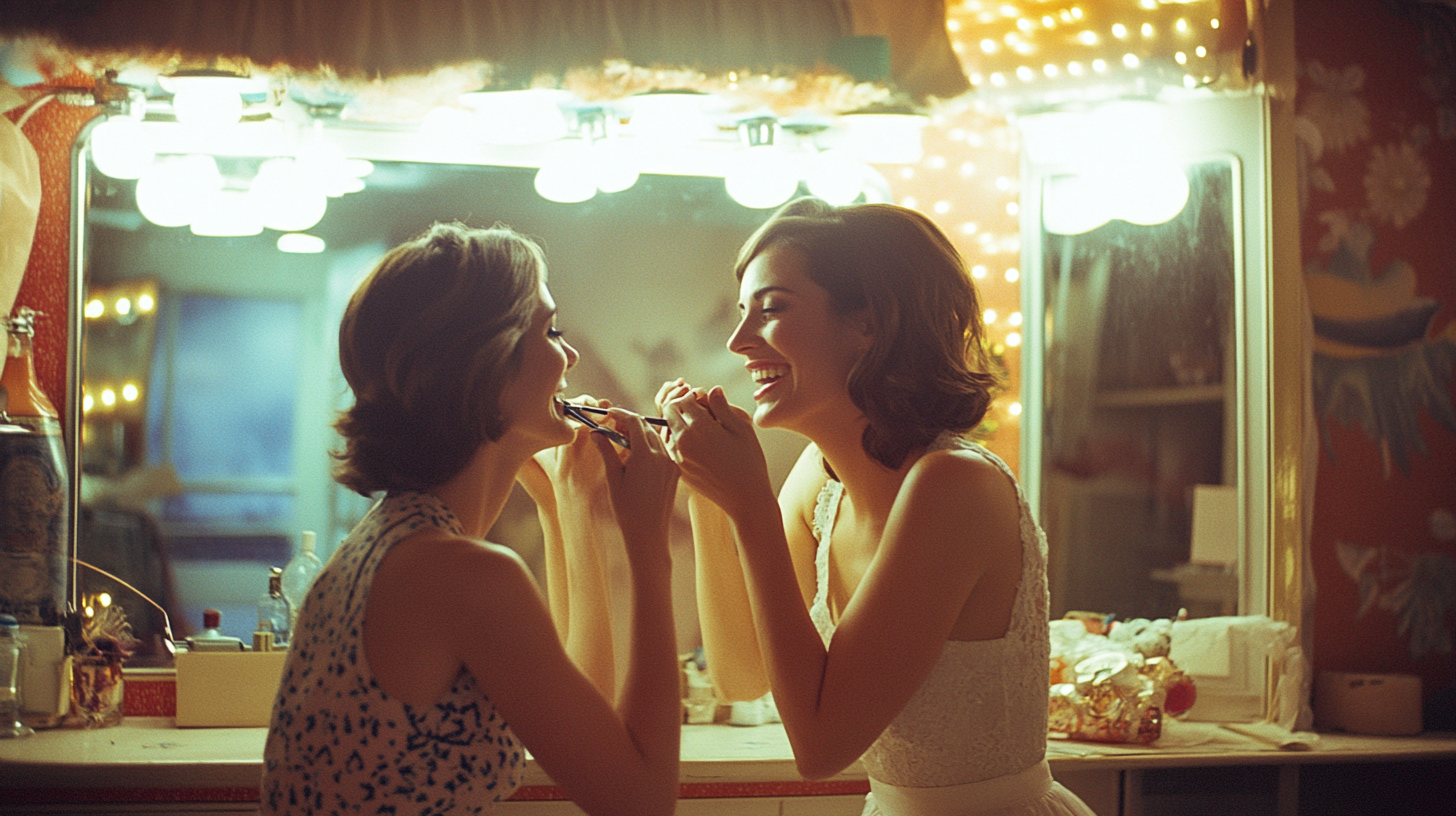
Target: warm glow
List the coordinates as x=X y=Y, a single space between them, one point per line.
x=1119 y=31
x=87 y=402
x=1131 y=60
x=1014 y=318
x=145 y=303
x=978 y=271
x=1014 y=409
x=123 y=306
x=108 y=397
x=130 y=392
x=1013 y=275
x=989 y=316
x=1147 y=30
x=95 y=308
x=104 y=599
x=1013 y=339
x=1088 y=37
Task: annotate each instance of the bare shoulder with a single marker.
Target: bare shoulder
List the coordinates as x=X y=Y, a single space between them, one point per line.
x=450 y=568
x=965 y=478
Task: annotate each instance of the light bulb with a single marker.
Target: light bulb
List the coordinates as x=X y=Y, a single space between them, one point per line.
x=568 y=174
x=835 y=176
x=170 y=192
x=614 y=165
x=287 y=199
x=761 y=177
x=207 y=107
x=120 y=148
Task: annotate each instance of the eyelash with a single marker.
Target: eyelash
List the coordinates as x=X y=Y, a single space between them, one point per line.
x=555 y=333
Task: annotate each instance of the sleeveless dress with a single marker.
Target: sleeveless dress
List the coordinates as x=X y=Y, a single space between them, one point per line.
x=338 y=743
x=972 y=739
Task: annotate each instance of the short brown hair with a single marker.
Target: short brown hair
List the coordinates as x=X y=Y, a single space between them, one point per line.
x=427 y=343
x=926 y=370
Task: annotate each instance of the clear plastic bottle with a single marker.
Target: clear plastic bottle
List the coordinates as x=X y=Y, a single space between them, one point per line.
x=273 y=609
x=11 y=649
x=298 y=575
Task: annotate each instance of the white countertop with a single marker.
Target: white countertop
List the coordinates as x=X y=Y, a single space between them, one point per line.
x=149 y=752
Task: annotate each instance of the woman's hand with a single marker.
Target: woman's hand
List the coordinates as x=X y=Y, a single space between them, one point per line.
x=642 y=483
x=574 y=471
x=716 y=447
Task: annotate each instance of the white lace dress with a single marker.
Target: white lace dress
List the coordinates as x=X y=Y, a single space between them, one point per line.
x=972 y=739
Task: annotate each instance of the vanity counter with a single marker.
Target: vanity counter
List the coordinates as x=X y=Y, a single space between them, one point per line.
x=148 y=760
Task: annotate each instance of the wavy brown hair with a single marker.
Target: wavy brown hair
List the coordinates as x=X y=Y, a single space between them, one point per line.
x=926 y=370
x=427 y=343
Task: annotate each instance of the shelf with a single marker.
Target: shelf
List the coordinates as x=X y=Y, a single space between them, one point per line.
x=1159 y=397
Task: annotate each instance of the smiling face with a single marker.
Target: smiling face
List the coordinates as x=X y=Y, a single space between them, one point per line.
x=531 y=402
x=799 y=351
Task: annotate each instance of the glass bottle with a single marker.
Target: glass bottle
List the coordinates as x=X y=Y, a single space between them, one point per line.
x=298 y=576
x=11 y=650
x=34 y=490
x=273 y=609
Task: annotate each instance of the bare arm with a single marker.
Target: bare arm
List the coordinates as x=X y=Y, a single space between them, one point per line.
x=576 y=520
x=610 y=760
x=730 y=639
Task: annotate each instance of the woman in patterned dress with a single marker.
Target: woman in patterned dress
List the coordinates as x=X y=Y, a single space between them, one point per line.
x=918 y=641
x=425 y=660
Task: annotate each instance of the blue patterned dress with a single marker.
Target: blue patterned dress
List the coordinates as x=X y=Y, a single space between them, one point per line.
x=338 y=743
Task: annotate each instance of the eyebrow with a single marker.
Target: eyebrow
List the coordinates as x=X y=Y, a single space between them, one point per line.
x=759 y=294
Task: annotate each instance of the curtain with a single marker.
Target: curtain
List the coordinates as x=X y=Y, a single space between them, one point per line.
x=380 y=38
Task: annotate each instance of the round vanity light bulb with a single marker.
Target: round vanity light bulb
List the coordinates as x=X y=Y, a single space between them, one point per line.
x=207 y=107
x=568 y=174
x=762 y=177
x=286 y=199
x=120 y=148
x=1151 y=195
x=614 y=165
x=835 y=176
x=171 y=191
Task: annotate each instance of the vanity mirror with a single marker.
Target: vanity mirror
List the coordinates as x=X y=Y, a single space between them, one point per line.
x=1146 y=361
x=207 y=414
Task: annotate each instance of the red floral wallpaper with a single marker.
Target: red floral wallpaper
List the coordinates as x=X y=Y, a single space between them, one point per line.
x=52 y=128
x=1377 y=145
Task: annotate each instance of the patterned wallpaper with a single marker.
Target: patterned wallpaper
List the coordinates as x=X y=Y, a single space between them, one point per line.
x=1377 y=144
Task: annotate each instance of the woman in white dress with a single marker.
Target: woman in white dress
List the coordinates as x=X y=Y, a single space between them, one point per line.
x=917 y=639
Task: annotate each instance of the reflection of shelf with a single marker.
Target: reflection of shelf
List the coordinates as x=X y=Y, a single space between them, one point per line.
x=1156 y=397
x=1205 y=590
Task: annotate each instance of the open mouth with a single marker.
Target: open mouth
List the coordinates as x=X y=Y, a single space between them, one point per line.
x=766 y=376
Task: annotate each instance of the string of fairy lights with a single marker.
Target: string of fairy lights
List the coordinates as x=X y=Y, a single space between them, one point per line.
x=1028 y=54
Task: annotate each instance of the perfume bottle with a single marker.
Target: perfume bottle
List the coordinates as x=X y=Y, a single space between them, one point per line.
x=273 y=609
x=298 y=576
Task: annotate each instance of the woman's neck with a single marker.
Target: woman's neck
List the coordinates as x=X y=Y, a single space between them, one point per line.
x=871 y=486
x=479 y=491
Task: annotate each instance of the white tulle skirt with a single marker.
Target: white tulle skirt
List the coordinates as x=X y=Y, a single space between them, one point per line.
x=1031 y=792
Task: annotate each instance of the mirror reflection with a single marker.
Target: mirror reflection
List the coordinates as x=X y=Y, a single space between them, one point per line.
x=1139 y=439
x=208 y=413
